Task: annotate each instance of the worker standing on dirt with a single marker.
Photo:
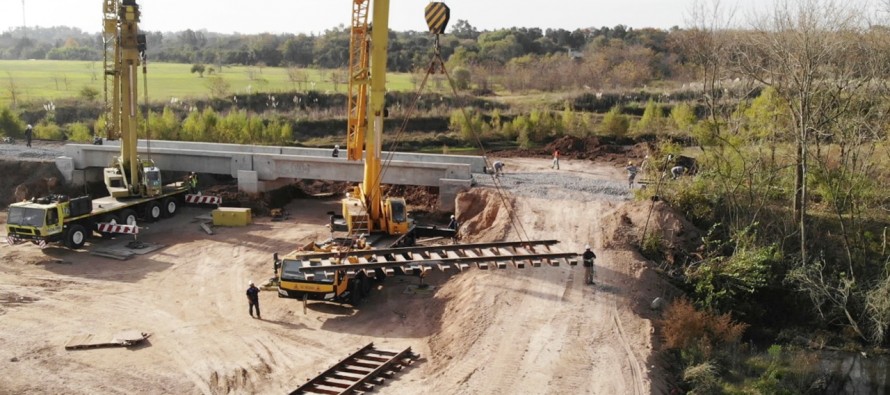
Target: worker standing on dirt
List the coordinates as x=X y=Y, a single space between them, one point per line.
x=555 y=164
x=276 y=263
x=29 y=132
x=336 y=152
x=631 y=174
x=587 y=259
x=253 y=298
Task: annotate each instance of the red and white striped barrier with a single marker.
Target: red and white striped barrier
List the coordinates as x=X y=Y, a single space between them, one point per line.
x=115 y=228
x=203 y=199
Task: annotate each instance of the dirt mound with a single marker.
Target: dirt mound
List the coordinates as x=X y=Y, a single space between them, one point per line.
x=482 y=215
x=623 y=227
x=23 y=180
x=417 y=197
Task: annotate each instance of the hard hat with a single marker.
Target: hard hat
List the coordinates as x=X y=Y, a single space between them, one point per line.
x=629 y=162
x=587 y=247
x=29 y=126
x=452 y=216
x=250 y=282
x=337 y=146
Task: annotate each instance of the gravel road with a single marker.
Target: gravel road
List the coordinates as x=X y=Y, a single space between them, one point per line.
x=570 y=182
x=39 y=151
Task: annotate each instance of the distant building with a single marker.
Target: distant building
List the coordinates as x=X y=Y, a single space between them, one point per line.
x=575 y=55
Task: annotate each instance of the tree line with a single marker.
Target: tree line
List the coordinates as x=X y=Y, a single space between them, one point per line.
x=408 y=51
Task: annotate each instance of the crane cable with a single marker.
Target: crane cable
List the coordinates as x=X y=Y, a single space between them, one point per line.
x=436 y=60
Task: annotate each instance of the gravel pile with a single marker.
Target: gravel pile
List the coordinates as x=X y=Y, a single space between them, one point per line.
x=39 y=151
x=557 y=185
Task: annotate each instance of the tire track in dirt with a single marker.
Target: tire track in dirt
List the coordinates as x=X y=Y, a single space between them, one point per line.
x=631 y=357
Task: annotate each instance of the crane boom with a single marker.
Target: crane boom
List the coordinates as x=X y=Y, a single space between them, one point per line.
x=365 y=210
x=128 y=176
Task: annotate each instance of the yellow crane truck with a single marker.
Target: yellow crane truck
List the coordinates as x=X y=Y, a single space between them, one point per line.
x=134 y=184
x=72 y=220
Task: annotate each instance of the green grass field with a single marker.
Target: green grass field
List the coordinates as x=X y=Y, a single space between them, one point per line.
x=44 y=80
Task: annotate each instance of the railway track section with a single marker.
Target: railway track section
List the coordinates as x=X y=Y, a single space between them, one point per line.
x=497 y=255
x=359 y=372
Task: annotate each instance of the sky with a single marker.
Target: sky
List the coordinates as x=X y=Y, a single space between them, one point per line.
x=315 y=16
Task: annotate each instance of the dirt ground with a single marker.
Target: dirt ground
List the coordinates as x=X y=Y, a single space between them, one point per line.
x=529 y=331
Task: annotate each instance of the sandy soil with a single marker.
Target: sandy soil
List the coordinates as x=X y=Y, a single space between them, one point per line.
x=530 y=331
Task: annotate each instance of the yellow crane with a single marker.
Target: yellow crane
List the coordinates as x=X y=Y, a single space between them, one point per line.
x=128 y=175
x=364 y=209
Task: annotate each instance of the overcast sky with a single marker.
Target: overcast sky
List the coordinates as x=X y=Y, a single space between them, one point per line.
x=315 y=16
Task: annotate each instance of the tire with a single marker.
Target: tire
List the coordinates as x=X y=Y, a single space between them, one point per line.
x=128 y=217
x=169 y=207
x=153 y=211
x=365 y=286
x=75 y=237
x=355 y=293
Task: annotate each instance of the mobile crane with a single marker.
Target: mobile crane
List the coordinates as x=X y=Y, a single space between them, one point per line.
x=134 y=184
x=342 y=273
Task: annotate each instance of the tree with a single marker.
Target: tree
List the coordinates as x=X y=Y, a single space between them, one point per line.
x=652 y=120
x=461 y=78
x=198 y=68
x=218 y=86
x=614 y=123
x=89 y=93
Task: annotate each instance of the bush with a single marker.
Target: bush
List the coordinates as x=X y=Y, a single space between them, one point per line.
x=79 y=132
x=10 y=123
x=48 y=131
x=89 y=93
x=696 y=334
x=652 y=246
x=614 y=123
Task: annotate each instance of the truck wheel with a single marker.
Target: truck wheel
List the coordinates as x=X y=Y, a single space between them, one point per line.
x=365 y=285
x=153 y=211
x=76 y=237
x=355 y=292
x=169 y=207
x=128 y=217
x=379 y=275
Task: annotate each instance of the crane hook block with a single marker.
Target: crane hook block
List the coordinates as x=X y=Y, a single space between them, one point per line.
x=437 y=15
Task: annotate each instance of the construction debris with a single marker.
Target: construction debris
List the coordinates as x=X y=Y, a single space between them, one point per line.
x=121 y=339
x=126 y=249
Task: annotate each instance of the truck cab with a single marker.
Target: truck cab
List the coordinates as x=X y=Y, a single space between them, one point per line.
x=38 y=219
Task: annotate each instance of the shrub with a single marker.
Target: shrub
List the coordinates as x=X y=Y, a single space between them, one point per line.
x=48 y=131
x=652 y=246
x=10 y=123
x=614 y=123
x=697 y=333
x=703 y=378
x=89 y=93
x=79 y=132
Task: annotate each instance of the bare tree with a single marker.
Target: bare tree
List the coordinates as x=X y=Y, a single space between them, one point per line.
x=14 y=90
